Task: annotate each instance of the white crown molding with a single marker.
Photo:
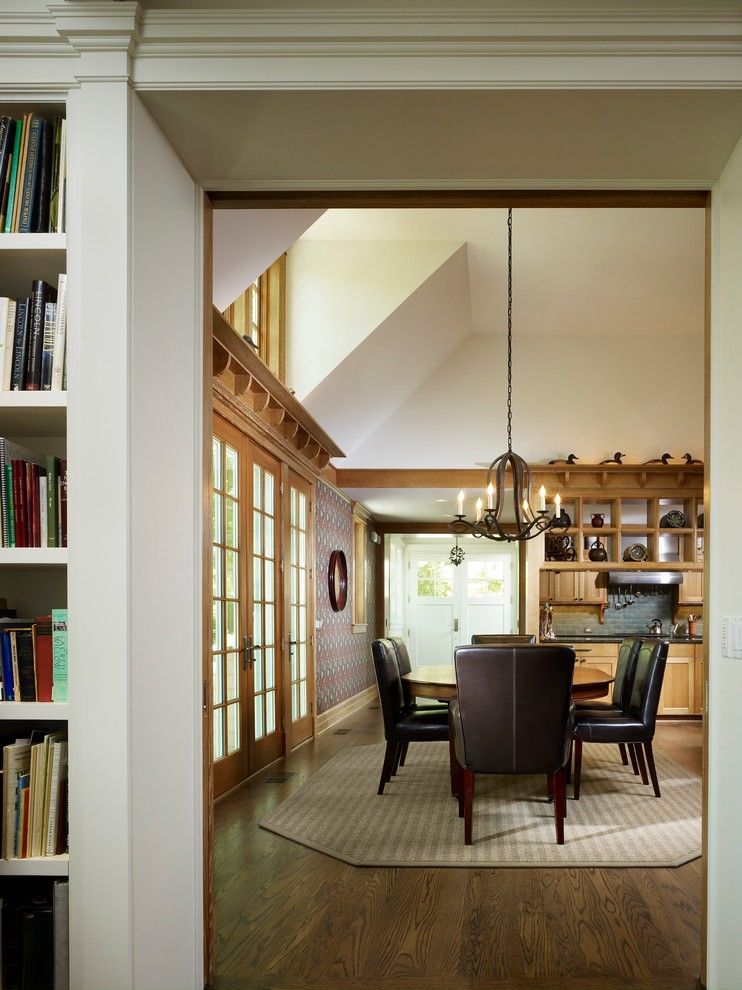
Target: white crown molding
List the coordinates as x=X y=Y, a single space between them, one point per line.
x=437 y=185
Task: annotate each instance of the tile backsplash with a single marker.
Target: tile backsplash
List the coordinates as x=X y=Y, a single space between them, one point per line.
x=571 y=621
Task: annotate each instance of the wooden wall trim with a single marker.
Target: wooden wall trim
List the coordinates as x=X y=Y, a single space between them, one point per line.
x=329 y=719
x=458 y=198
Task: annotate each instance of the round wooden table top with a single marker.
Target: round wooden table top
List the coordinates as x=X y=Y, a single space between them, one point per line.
x=440 y=682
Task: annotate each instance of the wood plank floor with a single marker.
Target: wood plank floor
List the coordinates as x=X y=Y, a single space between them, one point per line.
x=289 y=918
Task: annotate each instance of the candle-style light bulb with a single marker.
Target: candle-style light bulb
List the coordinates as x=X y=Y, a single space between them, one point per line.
x=558 y=505
x=460 y=500
x=542 y=498
x=490 y=495
x=479 y=509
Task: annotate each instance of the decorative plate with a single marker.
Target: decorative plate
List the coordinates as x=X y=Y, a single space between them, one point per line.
x=674 y=519
x=636 y=552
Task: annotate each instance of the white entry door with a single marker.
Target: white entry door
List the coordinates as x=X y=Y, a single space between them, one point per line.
x=448 y=605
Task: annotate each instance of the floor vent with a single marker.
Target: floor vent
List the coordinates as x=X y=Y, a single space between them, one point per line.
x=281 y=778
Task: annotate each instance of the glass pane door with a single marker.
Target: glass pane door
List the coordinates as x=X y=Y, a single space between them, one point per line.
x=299 y=599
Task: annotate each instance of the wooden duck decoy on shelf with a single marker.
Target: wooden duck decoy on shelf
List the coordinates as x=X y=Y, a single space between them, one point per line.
x=616 y=459
x=571 y=458
x=660 y=460
x=690 y=459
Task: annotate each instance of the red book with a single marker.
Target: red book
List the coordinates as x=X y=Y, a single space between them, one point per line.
x=28 y=499
x=63 y=502
x=42 y=638
x=19 y=502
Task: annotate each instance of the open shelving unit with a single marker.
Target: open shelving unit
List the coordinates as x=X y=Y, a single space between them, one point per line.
x=33 y=580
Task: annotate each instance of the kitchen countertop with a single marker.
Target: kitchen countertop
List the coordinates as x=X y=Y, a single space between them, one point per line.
x=620 y=639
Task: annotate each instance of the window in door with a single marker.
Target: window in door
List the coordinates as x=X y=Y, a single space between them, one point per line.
x=264 y=602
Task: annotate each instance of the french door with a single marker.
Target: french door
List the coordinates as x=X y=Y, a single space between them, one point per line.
x=246 y=695
x=298 y=595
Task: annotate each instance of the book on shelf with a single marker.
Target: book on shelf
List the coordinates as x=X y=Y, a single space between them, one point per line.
x=35 y=936
x=34 y=820
x=32 y=174
x=33 y=334
x=33 y=497
x=34 y=658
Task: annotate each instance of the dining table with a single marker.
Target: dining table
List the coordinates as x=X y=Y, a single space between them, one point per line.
x=439 y=682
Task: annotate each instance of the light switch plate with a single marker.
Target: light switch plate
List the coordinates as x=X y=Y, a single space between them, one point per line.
x=731 y=637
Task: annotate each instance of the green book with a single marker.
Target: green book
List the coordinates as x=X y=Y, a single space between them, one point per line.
x=10 y=520
x=56 y=158
x=52 y=473
x=59 y=654
x=13 y=176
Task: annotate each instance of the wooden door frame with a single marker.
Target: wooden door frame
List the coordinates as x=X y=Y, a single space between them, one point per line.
x=369 y=199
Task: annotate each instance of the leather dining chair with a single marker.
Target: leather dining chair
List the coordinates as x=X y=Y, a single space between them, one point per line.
x=622 y=686
x=400 y=726
x=502 y=639
x=403 y=662
x=634 y=726
x=513 y=715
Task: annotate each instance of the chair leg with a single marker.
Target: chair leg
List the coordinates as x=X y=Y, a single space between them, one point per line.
x=559 y=784
x=403 y=754
x=640 y=760
x=397 y=755
x=632 y=757
x=468 y=804
x=622 y=751
x=386 y=770
x=549 y=788
x=652 y=768
x=578 y=768
x=453 y=763
x=460 y=776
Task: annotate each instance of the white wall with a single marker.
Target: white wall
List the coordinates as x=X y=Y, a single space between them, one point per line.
x=585 y=395
x=338 y=292
x=165 y=564
x=723 y=595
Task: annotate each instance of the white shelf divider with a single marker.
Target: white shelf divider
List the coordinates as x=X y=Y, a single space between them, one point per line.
x=26 y=711
x=36 y=866
x=33 y=556
x=33 y=242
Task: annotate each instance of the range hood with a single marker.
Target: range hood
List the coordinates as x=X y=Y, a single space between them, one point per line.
x=645 y=577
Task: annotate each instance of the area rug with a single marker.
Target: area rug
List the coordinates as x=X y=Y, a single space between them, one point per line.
x=616 y=822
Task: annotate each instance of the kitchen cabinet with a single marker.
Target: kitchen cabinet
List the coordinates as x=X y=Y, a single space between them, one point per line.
x=678 y=695
x=690 y=592
x=571 y=587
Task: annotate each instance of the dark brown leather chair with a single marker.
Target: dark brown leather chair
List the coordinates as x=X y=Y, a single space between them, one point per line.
x=502 y=639
x=622 y=686
x=400 y=726
x=513 y=715
x=634 y=726
x=403 y=662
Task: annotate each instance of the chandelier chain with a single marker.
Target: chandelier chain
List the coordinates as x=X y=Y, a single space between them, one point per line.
x=510 y=329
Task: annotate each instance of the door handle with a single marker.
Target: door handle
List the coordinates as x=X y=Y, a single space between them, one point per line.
x=292 y=644
x=455 y=625
x=248 y=648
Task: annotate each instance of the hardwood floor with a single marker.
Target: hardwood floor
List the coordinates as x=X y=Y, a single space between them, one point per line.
x=289 y=918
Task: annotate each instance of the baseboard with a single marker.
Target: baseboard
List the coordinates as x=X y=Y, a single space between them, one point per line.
x=326 y=720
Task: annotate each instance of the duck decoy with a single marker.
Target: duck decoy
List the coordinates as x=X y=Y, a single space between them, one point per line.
x=660 y=460
x=571 y=458
x=690 y=459
x=616 y=459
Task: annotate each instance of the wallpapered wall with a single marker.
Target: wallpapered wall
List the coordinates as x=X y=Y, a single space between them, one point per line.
x=343 y=660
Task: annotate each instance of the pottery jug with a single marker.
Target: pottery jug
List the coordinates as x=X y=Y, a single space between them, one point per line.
x=598 y=519
x=597 y=552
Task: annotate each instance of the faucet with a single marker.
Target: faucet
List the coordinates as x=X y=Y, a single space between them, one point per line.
x=655 y=627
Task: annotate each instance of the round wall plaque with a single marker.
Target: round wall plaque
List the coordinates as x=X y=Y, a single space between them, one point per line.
x=337 y=580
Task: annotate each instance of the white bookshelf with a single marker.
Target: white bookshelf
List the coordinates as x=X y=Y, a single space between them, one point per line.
x=29 y=711
x=24 y=257
x=36 y=866
x=33 y=557
x=33 y=414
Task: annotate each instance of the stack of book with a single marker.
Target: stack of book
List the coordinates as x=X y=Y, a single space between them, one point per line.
x=35 y=937
x=35 y=796
x=33 y=332
x=34 y=658
x=32 y=174
x=33 y=497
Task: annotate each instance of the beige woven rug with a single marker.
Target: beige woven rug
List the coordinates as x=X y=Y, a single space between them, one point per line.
x=616 y=822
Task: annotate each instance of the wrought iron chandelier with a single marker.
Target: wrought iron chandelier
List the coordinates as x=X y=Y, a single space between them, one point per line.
x=509 y=470
x=456 y=555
